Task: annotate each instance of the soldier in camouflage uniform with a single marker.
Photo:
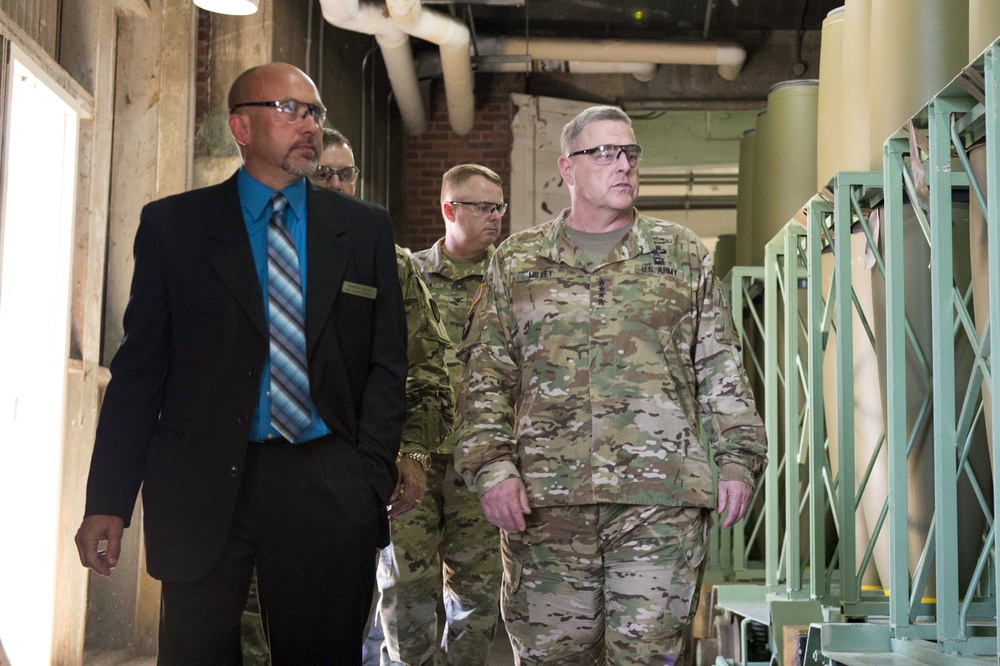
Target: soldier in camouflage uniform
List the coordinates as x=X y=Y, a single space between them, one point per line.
x=429 y=396
x=601 y=348
x=447 y=539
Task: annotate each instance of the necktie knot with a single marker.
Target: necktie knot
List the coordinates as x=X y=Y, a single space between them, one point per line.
x=278 y=205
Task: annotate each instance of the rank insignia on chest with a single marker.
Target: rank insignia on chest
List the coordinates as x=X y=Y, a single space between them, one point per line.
x=601 y=292
x=472 y=310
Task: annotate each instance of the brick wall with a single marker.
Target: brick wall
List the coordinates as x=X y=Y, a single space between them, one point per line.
x=428 y=156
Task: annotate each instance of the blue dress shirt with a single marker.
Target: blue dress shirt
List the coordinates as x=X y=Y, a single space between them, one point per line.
x=255 y=199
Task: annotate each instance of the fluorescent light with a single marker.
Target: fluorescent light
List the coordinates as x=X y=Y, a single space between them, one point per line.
x=235 y=7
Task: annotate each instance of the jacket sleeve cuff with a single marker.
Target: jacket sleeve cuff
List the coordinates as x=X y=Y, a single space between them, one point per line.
x=736 y=472
x=493 y=473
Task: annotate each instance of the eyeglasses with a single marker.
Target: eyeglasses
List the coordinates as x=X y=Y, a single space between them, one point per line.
x=483 y=208
x=608 y=154
x=293 y=108
x=345 y=175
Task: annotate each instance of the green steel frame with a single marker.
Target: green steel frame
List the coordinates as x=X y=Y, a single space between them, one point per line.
x=964 y=619
x=961 y=621
x=784 y=384
x=823 y=484
x=991 y=67
x=853 y=194
x=730 y=550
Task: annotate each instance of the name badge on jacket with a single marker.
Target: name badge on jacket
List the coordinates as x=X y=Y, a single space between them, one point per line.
x=362 y=290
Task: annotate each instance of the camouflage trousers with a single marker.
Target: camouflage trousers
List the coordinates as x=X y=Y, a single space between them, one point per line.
x=603 y=584
x=444 y=546
x=253 y=641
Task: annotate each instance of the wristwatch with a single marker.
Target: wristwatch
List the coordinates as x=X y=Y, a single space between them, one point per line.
x=422 y=458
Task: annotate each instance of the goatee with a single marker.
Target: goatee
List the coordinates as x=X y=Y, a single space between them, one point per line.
x=298 y=167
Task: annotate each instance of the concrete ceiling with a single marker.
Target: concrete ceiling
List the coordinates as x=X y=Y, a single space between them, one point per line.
x=642 y=19
x=689 y=174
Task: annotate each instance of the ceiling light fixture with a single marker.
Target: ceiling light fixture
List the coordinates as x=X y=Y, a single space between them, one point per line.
x=234 y=7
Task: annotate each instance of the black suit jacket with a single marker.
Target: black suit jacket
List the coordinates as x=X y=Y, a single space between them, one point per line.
x=185 y=380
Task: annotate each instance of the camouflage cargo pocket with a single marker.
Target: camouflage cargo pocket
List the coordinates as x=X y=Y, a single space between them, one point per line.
x=513 y=596
x=695 y=539
x=513 y=560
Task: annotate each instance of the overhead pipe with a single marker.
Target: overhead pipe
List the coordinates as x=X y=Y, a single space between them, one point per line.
x=396 y=52
x=453 y=40
x=409 y=17
x=429 y=66
x=728 y=56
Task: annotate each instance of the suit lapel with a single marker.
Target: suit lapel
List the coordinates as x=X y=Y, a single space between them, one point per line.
x=328 y=254
x=229 y=253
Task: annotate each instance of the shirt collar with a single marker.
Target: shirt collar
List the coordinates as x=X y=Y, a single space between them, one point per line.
x=256 y=197
x=636 y=241
x=439 y=262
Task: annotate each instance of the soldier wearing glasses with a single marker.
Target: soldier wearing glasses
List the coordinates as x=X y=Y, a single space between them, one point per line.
x=600 y=361
x=430 y=408
x=446 y=538
x=429 y=396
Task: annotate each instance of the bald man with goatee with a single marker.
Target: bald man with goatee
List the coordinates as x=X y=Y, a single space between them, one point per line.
x=257 y=397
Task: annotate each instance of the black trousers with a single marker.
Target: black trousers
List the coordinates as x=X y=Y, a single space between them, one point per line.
x=308 y=519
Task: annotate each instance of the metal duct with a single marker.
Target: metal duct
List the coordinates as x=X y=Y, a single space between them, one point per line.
x=396 y=51
x=429 y=66
x=408 y=17
x=728 y=56
x=453 y=40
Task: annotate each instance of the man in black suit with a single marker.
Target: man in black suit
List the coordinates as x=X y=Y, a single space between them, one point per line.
x=297 y=485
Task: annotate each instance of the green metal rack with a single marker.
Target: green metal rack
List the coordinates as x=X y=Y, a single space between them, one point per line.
x=963 y=620
x=802 y=490
x=959 y=624
x=730 y=551
x=854 y=194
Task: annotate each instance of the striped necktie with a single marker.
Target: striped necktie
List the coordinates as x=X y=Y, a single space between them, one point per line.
x=290 y=412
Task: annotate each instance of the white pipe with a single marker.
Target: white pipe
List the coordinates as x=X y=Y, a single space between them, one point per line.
x=728 y=56
x=408 y=17
x=453 y=40
x=395 y=47
x=641 y=71
x=429 y=66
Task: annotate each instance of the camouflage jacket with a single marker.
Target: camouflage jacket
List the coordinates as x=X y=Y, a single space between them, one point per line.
x=589 y=381
x=453 y=291
x=430 y=405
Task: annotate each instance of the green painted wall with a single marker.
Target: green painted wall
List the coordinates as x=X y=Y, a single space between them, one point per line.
x=691 y=138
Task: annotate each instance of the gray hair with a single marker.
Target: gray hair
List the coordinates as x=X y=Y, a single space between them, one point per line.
x=571 y=132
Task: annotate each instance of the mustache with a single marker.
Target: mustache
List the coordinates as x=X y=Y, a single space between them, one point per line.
x=305 y=144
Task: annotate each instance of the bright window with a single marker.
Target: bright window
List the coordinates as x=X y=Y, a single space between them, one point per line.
x=36 y=232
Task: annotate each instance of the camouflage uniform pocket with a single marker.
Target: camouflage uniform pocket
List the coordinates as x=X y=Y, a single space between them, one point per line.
x=513 y=595
x=695 y=540
x=513 y=562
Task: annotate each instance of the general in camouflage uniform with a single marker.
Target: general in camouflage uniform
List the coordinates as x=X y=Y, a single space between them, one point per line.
x=429 y=396
x=447 y=538
x=601 y=348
